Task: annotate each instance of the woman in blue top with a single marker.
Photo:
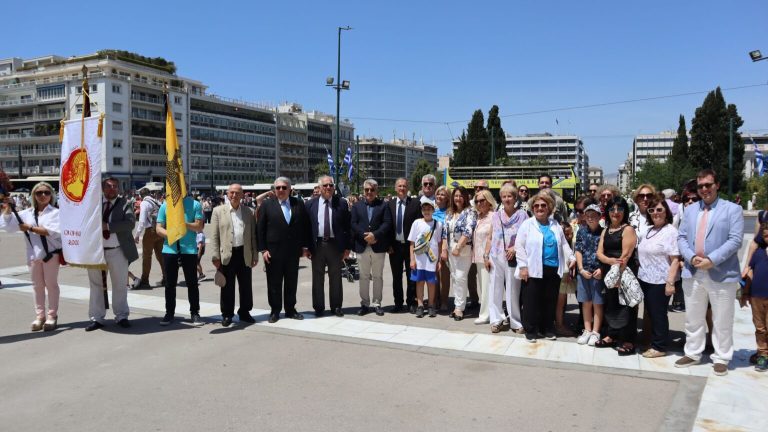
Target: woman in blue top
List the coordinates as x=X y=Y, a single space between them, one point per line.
x=442 y=202
x=543 y=256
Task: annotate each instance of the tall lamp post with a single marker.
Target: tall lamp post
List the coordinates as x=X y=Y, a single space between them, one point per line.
x=339 y=86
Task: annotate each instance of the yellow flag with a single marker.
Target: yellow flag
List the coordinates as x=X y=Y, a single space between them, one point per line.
x=175 y=188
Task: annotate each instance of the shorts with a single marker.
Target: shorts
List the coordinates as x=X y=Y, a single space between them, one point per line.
x=567 y=287
x=589 y=290
x=419 y=275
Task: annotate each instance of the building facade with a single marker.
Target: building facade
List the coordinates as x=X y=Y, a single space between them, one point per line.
x=595 y=175
x=556 y=149
x=322 y=139
x=656 y=146
x=386 y=161
x=625 y=175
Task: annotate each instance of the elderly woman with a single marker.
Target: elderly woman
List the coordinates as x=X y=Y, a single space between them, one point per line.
x=659 y=264
x=442 y=202
x=40 y=223
x=543 y=256
x=484 y=204
x=457 y=246
x=501 y=249
x=605 y=194
x=617 y=246
x=639 y=217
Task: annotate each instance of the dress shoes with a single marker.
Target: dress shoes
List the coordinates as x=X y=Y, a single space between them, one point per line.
x=274 y=317
x=124 y=323
x=362 y=311
x=412 y=309
x=338 y=312
x=319 y=313
x=247 y=318
x=94 y=326
x=226 y=321
x=379 y=311
x=398 y=309
x=143 y=285
x=297 y=316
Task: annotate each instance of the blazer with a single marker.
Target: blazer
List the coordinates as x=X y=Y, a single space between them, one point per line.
x=273 y=233
x=725 y=232
x=380 y=225
x=411 y=212
x=341 y=222
x=223 y=234
x=122 y=222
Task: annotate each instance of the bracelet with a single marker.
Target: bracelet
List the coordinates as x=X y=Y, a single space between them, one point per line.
x=485 y=257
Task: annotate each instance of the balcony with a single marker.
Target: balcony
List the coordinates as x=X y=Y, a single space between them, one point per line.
x=147 y=99
x=18 y=102
x=52 y=80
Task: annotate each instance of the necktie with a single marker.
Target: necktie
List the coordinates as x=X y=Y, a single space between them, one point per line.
x=327 y=222
x=701 y=232
x=105 y=219
x=286 y=211
x=399 y=217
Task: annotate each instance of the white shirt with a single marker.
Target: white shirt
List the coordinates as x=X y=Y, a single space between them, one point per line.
x=529 y=246
x=112 y=241
x=321 y=216
x=48 y=219
x=656 y=246
x=238 y=226
x=400 y=237
x=145 y=208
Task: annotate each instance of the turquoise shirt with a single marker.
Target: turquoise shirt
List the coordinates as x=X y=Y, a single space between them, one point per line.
x=193 y=211
x=549 y=249
x=439 y=215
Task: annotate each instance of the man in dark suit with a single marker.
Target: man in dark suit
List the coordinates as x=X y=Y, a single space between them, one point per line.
x=402 y=213
x=283 y=237
x=413 y=211
x=371 y=226
x=330 y=243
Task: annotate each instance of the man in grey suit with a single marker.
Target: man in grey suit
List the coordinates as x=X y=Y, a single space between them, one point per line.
x=710 y=236
x=118 y=220
x=233 y=242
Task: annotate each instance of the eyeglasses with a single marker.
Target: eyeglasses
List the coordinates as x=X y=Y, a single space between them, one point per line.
x=644 y=196
x=606 y=195
x=480 y=201
x=656 y=210
x=523 y=191
x=427 y=184
x=281 y=187
x=692 y=198
x=704 y=186
x=593 y=191
x=43 y=192
x=539 y=206
x=616 y=210
x=328 y=185
x=479 y=188
x=369 y=190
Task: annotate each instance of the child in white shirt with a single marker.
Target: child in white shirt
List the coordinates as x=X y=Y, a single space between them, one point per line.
x=425 y=238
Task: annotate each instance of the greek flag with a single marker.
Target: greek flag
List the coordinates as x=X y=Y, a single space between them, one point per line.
x=348 y=157
x=759 y=160
x=330 y=161
x=350 y=172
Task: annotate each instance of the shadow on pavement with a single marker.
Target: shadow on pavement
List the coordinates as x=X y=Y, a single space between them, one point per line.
x=21 y=337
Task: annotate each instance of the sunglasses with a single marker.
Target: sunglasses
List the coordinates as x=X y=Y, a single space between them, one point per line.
x=593 y=191
x=479 y=188
x=704 y=186
x=329 y=185
x=428 y=184
x=656 y=210
x=523 y=191
x=539 y=206
x=616 y=210
x=644 y=196
x=606 y=195
x=692 y=198
x=479 y=201
x=43 y=192
x=281 y=187
x=366 y=190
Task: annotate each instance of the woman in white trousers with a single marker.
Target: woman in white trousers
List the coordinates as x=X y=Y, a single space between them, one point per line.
x=457 y=246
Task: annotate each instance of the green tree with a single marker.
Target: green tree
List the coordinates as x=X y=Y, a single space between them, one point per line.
x=460 y=157
x=495 y=130
x=320 y=169
x=473 y=144
x=710 y=139
x=422 y=168
x=680 y=145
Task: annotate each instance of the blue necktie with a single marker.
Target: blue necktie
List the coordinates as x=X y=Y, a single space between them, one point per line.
x=286 y=211
x=399 y=217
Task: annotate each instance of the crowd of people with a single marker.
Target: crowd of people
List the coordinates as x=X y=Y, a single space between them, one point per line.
x=510 y=264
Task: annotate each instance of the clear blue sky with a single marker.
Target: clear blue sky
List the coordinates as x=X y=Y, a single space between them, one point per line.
x=439 y=61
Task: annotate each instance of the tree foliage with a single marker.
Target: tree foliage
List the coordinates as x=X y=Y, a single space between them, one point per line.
x=664 y=175
x=473 y=144
x=422 y=168
x=680 y=145
x=495 y=130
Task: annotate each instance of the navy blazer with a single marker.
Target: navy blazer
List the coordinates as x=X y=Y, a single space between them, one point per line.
x=274 y=233
x=341 y=220
x=380 y=225
x=411 y=212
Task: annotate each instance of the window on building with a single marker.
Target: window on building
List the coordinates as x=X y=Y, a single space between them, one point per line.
x=116 y=107
x=118 y=161
x=177 y=116
x=117 y=143
x=117 y=88
x=177 y=100
x=117 y=125
x=179 y=133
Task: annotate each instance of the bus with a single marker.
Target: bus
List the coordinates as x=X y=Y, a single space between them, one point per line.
x=25 y=185
x=564 y=180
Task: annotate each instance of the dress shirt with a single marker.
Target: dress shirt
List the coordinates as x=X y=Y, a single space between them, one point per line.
x=238 y=226
x=112 y=241
x=400 y=237
x=48 y=219
x=702 y=205
x=286 y=205
x=321 y=216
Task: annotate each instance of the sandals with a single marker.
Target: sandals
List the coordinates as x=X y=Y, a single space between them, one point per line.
x=602 y=343
x=458 y=316
x=625 y=349
x=496 y=328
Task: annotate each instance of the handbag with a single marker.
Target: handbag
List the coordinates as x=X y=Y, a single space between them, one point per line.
x=422 y=244
x=630 y=293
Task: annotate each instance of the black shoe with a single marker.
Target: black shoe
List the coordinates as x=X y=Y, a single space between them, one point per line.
x=379 y=311
x=143 y=285
x=196 y=320
x=420 y=312
x=167 y=319
x=297 y=316
x=338 y=312
x=247 y=318
x=274 y=317
x=531 y=337
x=432 y=312
x=124 y=323
x=94 y=326
x=398 y=309
x=319 y=313
x=362 y=311
x=412 y=309
x=226 y=321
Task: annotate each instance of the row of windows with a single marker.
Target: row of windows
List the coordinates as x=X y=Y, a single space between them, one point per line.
x=79 y=89
x=232 y=164
x=230 y=124
x=233 y=137
x=148 y=163
x=146 y=114
x=50 y=92
x=199 y=148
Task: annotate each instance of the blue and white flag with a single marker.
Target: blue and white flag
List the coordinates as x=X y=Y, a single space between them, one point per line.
x=348 y=158
x=760 y=160
x=330 y=162
x=350 y=172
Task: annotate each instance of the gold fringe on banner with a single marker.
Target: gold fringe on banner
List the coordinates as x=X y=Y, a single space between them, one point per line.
x=61 y=129
x=100 y=130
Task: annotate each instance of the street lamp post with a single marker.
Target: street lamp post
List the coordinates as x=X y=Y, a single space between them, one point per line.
x=339 y=86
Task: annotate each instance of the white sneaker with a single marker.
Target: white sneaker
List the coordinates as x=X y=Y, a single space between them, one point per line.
x=584 y=337
x=480 y=321
x=594 y=337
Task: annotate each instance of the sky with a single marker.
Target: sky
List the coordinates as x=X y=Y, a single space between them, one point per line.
x=420 y=69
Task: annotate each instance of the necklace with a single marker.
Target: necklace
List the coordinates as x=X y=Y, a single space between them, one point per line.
x=648 y=235
x=613 y=230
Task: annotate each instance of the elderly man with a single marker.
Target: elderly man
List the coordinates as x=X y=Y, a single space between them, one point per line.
x=118 y=220
x=402 y=214
x=371 y=225
x=283 y=233
x=561 y=209
x=711 y=233
x=428 y=188
x=150 y=241
x=233 y=242
x=329 y=244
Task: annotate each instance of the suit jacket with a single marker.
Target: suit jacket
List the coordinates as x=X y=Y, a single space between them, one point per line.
x=411 y=212
x=223 y=234
x=121 y=224
x=275 y=234
x=341 y=220
x=380 y=225
x=725 y=232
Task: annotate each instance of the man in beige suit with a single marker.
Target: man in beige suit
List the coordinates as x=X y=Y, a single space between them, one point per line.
x=233 y=243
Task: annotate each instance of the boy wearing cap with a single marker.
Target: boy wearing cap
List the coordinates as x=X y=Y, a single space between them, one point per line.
x=589 y=277
x=425 y=238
